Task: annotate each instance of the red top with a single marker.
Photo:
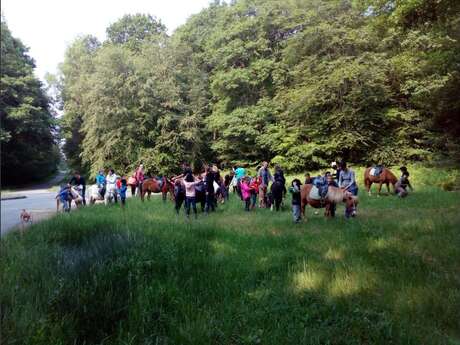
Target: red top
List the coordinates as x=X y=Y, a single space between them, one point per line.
x=139 y=175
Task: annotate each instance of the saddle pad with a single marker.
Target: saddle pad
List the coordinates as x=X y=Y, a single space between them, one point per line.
x=314 y=193
x=372 y=171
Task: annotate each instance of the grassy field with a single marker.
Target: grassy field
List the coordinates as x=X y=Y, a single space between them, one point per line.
x=145 y=276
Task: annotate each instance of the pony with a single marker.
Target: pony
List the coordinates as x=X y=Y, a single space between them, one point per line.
x=334 y=196
x=152 y=185
x=94 y=194
x=73 y=195
x=385 y=177
x=110 y=194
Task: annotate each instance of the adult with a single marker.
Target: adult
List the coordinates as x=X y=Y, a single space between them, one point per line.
x=190 y=193
x=210 y=192
x=111 y=183
x=265 y=178
x=279 y=177
x=240 y=173
x=347 y=179
x=100 y=182
x=78 y=180
x=139 y=175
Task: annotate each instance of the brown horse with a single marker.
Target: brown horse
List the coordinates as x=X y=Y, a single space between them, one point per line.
x=385 y=177
x=334 y=196
x=152 y=185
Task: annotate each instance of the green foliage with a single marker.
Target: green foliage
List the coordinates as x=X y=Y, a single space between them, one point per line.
x=28 y=148
x=299 y=83
x=144 y=276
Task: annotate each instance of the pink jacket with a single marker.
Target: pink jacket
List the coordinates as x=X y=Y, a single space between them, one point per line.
x=139 y=176
x=245 y=191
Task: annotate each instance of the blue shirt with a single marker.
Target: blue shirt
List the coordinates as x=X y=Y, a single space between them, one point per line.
x=100 y=179
x=239 y=173
x=122 y=191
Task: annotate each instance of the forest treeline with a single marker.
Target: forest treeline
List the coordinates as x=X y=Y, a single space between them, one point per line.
x=28 y=135
x=299 y=83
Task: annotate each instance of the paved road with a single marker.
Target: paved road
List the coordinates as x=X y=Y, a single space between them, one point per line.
x=40 y=201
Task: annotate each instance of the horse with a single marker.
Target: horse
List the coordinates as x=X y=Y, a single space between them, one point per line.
x=73 y=195
x=334 y=196
x=110 y=194
x=385 y=177
x=152 y=185
x=94 y=194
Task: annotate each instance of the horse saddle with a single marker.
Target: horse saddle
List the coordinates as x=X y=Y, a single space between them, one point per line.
x=376 y=171
x=318 y=193
x=159 y=181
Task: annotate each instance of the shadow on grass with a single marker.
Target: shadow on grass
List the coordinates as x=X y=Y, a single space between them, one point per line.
x=144 y=276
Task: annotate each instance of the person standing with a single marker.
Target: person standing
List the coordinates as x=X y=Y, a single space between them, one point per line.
x=122 y=191
x=78 y=180
x=210 y=195
x=240 y=173
x=190 y=193
x=245 y=193
x=295 y=191
x=100 y=182
x=347 y=179
x=265 y=179
x=111 y=182
x=140 y=178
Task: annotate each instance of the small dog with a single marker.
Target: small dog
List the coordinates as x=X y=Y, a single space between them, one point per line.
x=25 y=217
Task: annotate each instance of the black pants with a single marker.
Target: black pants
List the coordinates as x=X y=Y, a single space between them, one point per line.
x=179 y=199
x=247 y=204
x=133 y=190
x=210 y=202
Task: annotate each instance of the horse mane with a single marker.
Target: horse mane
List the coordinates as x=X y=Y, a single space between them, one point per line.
x=335 y=194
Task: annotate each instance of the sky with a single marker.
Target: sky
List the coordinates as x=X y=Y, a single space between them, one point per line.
x=47 y=27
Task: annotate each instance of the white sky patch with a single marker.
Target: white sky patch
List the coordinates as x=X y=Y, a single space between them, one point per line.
x=47 y=27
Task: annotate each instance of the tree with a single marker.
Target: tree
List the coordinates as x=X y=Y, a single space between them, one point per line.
x=29 y=150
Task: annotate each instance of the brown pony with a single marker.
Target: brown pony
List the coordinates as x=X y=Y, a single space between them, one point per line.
x=385 y=177
x=151 y=185
x=334 y=196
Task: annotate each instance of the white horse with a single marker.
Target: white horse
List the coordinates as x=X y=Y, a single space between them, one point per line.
x=94 y=194
x=110 y=193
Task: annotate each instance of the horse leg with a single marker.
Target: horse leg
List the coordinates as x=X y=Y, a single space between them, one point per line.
x=380 y=187
x=368 y=184
x=388 y=188
x=148 y=195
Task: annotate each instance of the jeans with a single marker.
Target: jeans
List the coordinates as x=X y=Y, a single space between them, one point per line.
x=296 y=213
x=190 y=201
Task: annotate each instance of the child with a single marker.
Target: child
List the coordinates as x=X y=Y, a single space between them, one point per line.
x=122 y=191
x=254 y=185
x=403 y=183
x=295 y=190
x=245 y=192
x=190 y=194
x=64 y=197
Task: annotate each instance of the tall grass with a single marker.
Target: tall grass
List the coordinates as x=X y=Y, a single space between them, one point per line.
x=146 y=276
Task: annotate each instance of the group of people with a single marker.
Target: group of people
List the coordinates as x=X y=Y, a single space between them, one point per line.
x=208 y=187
